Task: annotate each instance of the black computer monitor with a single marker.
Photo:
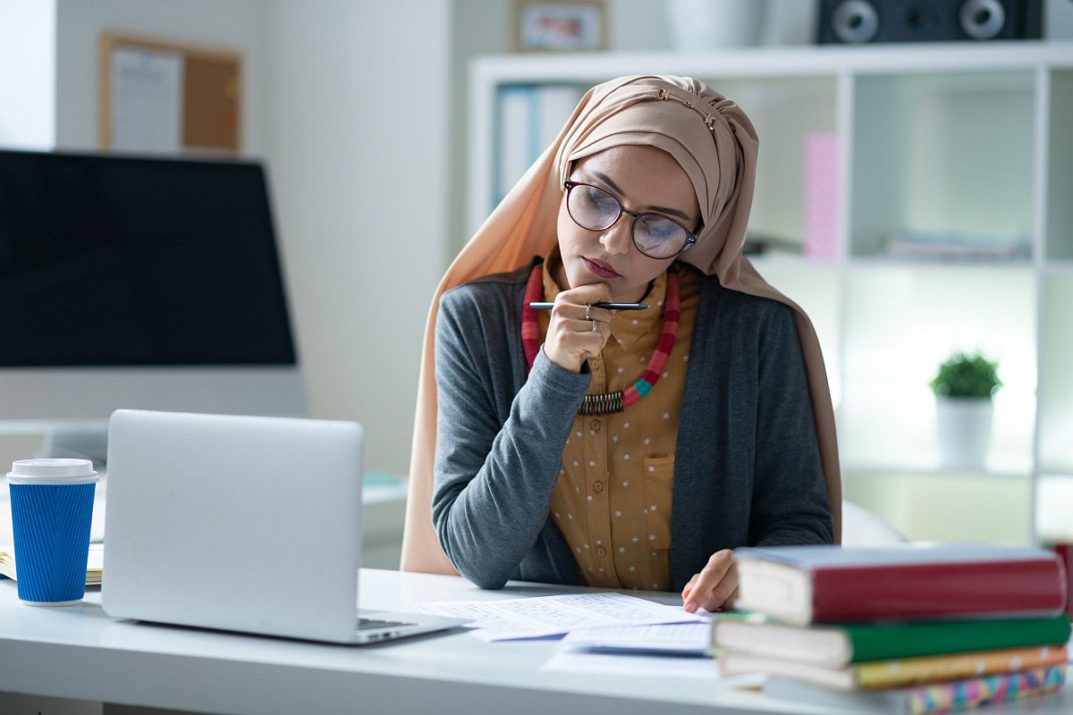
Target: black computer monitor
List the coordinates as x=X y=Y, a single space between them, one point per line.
x=140 y=282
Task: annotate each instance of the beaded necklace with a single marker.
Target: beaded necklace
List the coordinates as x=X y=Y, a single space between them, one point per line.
x=611 y=402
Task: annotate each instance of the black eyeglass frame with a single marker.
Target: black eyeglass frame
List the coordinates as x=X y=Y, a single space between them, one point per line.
x=691 y=238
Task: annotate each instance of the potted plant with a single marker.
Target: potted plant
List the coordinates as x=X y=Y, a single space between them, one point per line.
x=963 y=388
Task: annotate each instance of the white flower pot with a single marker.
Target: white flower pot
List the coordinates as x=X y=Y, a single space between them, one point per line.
x=699 y=25
x=964 y=431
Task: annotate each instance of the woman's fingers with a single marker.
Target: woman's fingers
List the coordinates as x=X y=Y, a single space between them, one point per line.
x=578 y=336
x=723 y=595
x=573 y=337
x=688 y=588
x=586 y=294
x=709 y=590
x=601 y=315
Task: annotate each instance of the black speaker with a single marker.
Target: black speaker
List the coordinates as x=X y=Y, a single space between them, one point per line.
x=863 y=21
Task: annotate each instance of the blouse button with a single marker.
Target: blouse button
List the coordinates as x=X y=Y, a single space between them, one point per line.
x=601 y=552
x=598 y=487
x=595 y=425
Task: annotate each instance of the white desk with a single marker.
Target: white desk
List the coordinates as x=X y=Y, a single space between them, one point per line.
x=81 y=653
x=383 y=508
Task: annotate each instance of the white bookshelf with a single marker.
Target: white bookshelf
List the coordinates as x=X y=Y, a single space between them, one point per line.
x=975 y=139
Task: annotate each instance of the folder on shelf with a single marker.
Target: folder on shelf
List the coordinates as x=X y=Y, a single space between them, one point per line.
x=528 y=120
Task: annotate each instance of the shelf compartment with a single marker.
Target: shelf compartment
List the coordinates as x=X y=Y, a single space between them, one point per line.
x=944 y=156
x=1056 y=378
x=1059 y=267
x=945 y=507
x=785 y=113
x=1054 y=508
x=900 y=325
x=996 y=471
x=1060 y=167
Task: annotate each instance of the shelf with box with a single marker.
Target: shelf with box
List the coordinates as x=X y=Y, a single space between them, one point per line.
x=902 y=323
x=943 y=166
x=1056 y=172
x=915 y=201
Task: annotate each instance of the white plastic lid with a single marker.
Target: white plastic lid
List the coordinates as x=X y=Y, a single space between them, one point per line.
x=51 y=471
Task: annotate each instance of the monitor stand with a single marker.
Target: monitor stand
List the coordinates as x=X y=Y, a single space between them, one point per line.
x=80 y=440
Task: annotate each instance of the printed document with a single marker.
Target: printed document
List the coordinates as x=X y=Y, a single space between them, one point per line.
x=555 y=615
x=667 y=639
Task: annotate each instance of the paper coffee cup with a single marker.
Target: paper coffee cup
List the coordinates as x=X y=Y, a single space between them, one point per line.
x=51 y=512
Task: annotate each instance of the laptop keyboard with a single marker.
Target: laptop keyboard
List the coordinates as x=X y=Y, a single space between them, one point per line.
x=368 y=623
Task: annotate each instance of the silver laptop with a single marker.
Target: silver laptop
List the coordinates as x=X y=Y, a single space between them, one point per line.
x=241 y=523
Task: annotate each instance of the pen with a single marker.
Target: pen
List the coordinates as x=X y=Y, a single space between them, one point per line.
x=605 y=306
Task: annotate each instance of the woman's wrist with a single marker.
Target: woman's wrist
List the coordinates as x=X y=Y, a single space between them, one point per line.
x=561 y=378
x=561 y=361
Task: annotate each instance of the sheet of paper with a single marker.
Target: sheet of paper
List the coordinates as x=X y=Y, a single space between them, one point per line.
x=642 y=665
x=147 y=100
x=552 y=615
x=671 y=639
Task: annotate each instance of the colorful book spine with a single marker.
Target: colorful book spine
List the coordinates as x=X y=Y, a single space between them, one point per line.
x=837 y=646
x=974 y=692
x=912 y=671
x=934 y=590
x=892 y=641
x=947 y=697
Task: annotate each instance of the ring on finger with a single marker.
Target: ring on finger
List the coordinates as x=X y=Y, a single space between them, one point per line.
x=594 y=328
x=588 y=312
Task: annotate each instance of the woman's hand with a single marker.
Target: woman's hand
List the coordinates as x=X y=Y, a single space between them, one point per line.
x=715 y=587
x=571 y=339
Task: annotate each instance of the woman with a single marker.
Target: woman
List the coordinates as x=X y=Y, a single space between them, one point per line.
x=612 y=448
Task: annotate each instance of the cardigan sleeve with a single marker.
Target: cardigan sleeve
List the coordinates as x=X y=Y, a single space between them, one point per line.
x=493 y=481
x=789 y=504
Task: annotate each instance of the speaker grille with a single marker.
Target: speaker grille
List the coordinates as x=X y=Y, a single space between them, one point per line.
x=982 y=19
x=870 y=21
x=855 y=21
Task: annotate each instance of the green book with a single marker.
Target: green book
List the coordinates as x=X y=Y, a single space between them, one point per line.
x=836 y=646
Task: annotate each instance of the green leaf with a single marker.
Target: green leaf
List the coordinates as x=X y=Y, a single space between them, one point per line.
x=964 y=375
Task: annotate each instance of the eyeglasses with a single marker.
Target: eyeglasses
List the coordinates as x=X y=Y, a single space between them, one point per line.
x=654 y=235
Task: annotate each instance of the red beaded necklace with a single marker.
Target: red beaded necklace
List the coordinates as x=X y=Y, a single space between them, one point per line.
x=611 y=402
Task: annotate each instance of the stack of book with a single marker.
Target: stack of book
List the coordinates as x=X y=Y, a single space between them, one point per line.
x=908 y=629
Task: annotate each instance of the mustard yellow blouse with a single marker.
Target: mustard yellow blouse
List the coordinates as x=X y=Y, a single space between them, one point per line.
x=612 y=501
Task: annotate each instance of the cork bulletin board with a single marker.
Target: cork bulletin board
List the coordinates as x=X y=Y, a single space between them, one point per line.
x=169 y=97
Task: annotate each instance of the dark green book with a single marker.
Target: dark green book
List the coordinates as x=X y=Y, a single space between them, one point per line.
x=836 y=646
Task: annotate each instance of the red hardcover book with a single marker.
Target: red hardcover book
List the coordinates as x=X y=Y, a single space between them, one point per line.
x=829 y=584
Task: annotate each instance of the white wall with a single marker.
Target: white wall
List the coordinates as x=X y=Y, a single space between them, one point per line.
x=348 y=104
x=359 y=105
x=27 y=73
x=228 y=24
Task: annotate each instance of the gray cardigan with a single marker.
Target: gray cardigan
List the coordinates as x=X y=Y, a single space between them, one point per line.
x=747 y=466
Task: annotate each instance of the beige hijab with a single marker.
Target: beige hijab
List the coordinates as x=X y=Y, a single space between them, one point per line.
x=716 y=145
